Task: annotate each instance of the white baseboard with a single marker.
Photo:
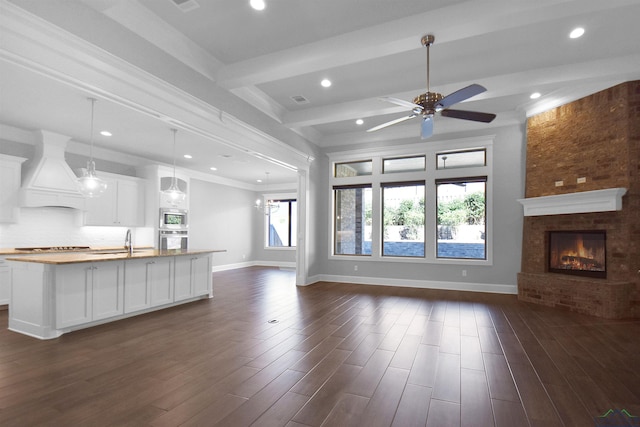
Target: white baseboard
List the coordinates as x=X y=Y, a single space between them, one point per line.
x=280 y=264
x=424 y=284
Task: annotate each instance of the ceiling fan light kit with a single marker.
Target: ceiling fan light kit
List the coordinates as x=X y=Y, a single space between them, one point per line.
x=429 y=103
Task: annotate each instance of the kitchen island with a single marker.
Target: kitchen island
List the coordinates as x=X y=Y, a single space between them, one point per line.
x=52 y=294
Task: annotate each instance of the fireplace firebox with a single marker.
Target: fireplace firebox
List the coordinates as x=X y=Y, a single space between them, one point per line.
x=581 y=253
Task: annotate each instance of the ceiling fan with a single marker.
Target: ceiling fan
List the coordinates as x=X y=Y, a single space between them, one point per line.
x=429 y=103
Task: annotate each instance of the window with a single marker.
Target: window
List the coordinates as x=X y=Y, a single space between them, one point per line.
x=418 y=203
x=461 y=229
x=403 y=219
x=281 y=224
x=461 y=159
x=352 y=219
x=403 y=164
x=353 y=169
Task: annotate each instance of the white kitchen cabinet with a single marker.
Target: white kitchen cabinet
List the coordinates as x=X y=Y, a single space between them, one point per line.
x=192 y=276
x=122 y=203
x=159 y=274
x=49 y=299
x=182 y=277
x=137 y=294
x=201 y=275
x=148 y=283
x=88 y=291
x=5 y=282
x=108 y=290
x=10 y=167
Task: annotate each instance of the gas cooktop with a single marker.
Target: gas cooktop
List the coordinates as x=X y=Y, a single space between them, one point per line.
x=54 y=249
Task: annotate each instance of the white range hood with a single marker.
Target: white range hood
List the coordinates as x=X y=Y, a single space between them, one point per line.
x=47 y=179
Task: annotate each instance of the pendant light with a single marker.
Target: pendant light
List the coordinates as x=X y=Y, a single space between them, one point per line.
x=173 y=195
x=270 y=206
x=89 y=184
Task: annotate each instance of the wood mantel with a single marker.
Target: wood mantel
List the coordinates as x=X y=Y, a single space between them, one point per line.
x=609 y=199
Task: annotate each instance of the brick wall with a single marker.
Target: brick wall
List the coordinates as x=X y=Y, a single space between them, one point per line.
x=597 y=138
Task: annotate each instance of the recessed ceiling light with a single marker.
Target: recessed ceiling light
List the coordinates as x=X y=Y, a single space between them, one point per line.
x=257 y=4
x=535 y=95
x=258 y=180
x=188 y=156
x=577 y=32
x=359 y=122
x=105 y=133
x=325 y=82
x=213 y=168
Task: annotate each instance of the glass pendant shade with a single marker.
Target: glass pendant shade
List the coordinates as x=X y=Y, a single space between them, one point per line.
x=270 y=206
x=173 y=195
x=89 y=185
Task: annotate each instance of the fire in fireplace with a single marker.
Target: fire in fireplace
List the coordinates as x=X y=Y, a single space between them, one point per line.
x=578 y=252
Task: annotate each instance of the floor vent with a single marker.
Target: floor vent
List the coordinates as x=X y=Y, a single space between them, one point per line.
x=186 y=5
x=299 y=99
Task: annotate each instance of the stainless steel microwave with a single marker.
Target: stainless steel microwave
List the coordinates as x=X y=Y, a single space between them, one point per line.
x=174 y=219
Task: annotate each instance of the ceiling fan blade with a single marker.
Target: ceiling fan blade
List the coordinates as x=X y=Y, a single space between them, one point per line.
x=459 y=96
x=475 y=116
x=401 y=102
x=392 y=122
x=427 y=127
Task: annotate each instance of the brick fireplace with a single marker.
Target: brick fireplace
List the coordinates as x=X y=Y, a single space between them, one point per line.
x=588 y=147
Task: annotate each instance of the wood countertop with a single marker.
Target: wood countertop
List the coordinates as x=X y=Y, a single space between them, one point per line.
x=85 y=249
x=107 y=255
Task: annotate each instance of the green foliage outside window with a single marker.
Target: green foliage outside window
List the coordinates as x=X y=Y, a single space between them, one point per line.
x=470 y=210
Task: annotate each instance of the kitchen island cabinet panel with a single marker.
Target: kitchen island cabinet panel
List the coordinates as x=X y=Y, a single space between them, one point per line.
x=58 y=293
x=137 y=294
x=88 y=292
x=73 y=295
x=159 y=273
x=201 y=274
x=5 y=282
x=183 y=284
x=108 y=290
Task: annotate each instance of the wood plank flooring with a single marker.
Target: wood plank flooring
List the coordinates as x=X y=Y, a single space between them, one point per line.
x=338 y=355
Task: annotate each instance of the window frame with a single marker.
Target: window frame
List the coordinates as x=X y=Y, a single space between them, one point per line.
x=469 y=179
x=334 y=215
x=287 y=197
x=396 y=184
x=431 y=150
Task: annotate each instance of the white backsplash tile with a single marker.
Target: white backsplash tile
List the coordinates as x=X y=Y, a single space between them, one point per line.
x=53 y=226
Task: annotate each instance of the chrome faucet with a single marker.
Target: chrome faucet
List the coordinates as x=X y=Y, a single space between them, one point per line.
x=127 y=242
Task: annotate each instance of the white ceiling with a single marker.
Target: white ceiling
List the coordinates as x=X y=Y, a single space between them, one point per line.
x=369 y=49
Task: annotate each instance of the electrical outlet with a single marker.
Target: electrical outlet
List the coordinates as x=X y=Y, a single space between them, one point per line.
x=581 y=180
x=355 y=268
x=244 y=256
x=464 y=273
x=559 y=183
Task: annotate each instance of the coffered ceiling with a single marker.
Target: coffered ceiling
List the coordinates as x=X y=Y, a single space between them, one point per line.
x=265 y=60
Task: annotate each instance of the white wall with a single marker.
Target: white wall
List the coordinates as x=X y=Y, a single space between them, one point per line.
x=508 y=185
x=222 y=217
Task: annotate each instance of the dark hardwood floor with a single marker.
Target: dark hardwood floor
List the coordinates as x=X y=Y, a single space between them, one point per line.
x=338 y=355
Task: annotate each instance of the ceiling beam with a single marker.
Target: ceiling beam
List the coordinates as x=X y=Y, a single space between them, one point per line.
x=472 y=19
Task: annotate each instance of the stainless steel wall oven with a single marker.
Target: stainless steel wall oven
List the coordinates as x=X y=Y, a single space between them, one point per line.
x=173 y=229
